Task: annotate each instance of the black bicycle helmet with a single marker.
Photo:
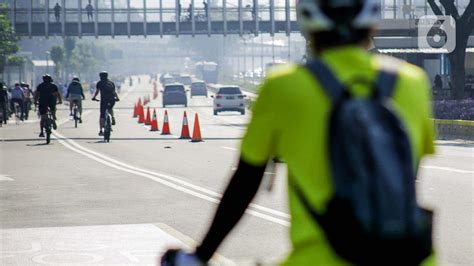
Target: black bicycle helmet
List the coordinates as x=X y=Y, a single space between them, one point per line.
x=103 y=75
x=47 y=78
x=75 y=79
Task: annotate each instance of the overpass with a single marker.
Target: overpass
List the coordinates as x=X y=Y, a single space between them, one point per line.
x=158 y=17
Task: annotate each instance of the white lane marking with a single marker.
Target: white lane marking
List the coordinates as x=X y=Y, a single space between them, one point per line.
x=170 y=181
x=229 y=148
x=449 y=169
x=5 y=178
x=267 y=173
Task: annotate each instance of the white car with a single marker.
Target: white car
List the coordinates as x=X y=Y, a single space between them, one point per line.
x=229 y=98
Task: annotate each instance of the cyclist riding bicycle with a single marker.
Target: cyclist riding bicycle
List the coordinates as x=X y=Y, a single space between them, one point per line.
x=75 y=93
x=18 y=97
x=290 y=120
x=46 y=96
x=3 y=102
x=108 y=97
x=28 y=93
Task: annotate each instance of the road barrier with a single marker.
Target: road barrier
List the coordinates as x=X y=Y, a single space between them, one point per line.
x=154 y=122
x=148 y=117
x=185 y=128
x=196 y=130
x=166 y=125
x=454 y=129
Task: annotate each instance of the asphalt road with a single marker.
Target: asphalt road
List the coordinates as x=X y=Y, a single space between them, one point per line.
x=81 y=201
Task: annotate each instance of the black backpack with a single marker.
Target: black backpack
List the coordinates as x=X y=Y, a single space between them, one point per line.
x=373 y=217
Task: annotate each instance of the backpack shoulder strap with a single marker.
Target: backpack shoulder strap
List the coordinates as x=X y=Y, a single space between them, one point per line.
x=331 y=85
x=385 y=83
x=387 y=76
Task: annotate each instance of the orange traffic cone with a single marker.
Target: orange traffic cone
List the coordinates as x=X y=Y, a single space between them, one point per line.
x=166 y=125
x=135 y=113
x=185 y=129
x=141 y=115
x=148 y=117
x=196 y=130
x=154 y=122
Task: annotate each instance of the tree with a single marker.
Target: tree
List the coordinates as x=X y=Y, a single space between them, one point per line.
x=8 y=39
x=57 y=55
x=464 y=27
x=69 y=45
x=17 y=61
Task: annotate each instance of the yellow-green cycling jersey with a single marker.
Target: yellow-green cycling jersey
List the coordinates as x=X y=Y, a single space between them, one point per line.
x=290 y=120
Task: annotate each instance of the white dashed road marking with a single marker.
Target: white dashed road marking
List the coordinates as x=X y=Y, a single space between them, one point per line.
x=5 y=178
x=449 y=169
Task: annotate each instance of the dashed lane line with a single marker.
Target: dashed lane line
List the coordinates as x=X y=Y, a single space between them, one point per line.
x=229 y=148
x=449 y=169
x=5 y=178
x=176 y=183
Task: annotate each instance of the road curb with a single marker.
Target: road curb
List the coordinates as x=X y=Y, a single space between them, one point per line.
x=454 y=129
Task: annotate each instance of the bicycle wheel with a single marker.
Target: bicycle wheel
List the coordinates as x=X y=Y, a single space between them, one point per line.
x=27 y=111
x=107 y=128
x=75 y=117
x=48 y=130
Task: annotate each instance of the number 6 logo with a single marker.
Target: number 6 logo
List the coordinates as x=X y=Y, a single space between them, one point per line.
x=437 y=32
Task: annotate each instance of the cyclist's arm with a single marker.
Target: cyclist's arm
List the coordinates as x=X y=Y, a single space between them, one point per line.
x=115 y=93
x=67 y=93
x=37 y=95
x=58 y=96
x=96 y=91
x=238 y=195
x=82 y=92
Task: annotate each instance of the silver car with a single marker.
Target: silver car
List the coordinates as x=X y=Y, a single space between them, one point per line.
x=229 y=98
x=174 y=94
x=198 y=88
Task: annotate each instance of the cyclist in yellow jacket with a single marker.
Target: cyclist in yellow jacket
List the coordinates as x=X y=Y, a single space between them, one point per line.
x=290 y=121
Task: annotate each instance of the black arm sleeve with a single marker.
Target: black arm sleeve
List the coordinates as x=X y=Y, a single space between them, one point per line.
x=238 y=195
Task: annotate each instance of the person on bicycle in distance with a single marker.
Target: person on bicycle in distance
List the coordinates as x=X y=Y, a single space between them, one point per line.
x=28 y=97
x=108 y=97
x=3 y=103
x=18 y=97
x=75 y=93
x=46 y=96
x=290 y=120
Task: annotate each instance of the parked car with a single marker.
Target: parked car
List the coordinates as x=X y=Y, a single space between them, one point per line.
x=198 y=88
x=229 y=98
x=185 y=79
x=174 y=94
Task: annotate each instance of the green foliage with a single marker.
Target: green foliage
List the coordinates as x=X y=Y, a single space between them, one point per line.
x=16 y=61
x=57 y=55
x=69 y=45
x=89 y=58
x=8 y=39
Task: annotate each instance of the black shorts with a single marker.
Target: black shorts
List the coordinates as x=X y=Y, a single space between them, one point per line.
x=105 y=105
x=43 y=107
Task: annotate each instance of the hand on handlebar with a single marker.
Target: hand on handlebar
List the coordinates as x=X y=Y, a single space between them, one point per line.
x=177 y=257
